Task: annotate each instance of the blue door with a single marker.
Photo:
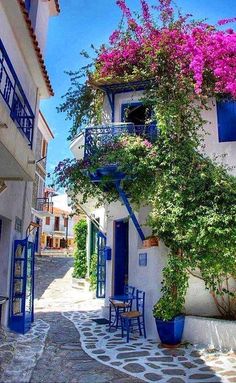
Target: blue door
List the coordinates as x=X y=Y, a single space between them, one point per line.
x=22 y=287
x=121 y=256
x=101 y=266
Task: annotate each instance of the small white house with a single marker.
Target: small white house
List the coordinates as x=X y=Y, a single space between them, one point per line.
x=130 y=262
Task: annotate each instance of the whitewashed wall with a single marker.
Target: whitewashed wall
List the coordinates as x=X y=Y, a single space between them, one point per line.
x=212 y=145
x=42 y=19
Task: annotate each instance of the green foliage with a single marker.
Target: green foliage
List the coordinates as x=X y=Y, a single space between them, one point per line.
x=82 y=103
x=93 y=271
x=80 y=264
x=80 y=231
x=80 y=259
x=174 y=287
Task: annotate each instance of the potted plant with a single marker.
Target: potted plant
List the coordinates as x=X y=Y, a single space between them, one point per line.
x=169 y=321
x=151 y=241
x=168 y=311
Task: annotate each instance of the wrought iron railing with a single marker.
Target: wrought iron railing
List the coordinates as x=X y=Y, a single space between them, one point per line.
x=44 y=204
x=14 y=96
x=98 y=136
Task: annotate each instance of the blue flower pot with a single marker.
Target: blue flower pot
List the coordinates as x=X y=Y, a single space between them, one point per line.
x=170 y=332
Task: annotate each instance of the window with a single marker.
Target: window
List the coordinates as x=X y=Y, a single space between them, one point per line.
x=57 y=223
x=133 y=112
x=44 y=148
x=47 y=221
x=226 y=114
x=18 y=224
x=66 y=221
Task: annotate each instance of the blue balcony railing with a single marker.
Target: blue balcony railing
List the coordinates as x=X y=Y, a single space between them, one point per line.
x=98 y=136
x=14 y=96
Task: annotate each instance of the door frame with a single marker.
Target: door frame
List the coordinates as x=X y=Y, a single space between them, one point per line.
x=123 y=220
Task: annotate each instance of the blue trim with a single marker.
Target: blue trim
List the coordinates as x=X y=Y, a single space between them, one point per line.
x=126 y=87
x=15 y=98
x=226 y=115
x=111 y=99
x=125 y=200
x=22 y=270
x=121 y=233
x=101 y=265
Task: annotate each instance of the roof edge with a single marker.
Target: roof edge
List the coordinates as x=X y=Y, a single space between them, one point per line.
x=36 y=46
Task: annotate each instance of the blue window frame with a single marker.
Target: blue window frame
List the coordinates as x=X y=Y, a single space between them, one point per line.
x=126 y=106
x=226 y=114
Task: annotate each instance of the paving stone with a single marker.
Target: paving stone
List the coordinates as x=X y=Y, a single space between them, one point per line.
x=98 y=352
x=188 y=365
x=132 y=354
x=104 y=358
x=230 y=373
x=153 y=377
x=176 y=380
x=174 y=371
x=201 y=376
x=154 y=366
x=134 y=367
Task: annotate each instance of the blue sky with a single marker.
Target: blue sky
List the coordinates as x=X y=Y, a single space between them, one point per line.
x=85 y=22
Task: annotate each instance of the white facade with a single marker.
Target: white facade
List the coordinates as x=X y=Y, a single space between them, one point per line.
x=58 y=227
x=23 y=66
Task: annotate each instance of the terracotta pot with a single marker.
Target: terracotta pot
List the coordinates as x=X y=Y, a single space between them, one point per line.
x=150 y=242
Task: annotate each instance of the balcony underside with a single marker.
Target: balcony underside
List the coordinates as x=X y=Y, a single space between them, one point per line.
x=16 y=157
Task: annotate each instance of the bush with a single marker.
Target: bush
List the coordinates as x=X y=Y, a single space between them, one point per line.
x=80 y=264
x=80 y=259
x=93 y=272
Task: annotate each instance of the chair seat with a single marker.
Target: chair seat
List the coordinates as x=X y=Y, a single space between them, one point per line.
x=120 y=304
x=131 y=314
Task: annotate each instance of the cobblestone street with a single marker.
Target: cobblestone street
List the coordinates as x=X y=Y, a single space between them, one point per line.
x=53 y=351
x=63 y=359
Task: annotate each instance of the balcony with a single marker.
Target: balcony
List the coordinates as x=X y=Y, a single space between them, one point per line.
x=44 y=205
x=14 y=97
x=16 y=125
x=87 y=142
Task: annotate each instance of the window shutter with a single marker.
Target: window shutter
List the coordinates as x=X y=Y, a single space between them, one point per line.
x=226 y=112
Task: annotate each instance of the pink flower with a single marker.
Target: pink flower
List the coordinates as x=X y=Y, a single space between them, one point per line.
x=124 y=8
x=226 y=21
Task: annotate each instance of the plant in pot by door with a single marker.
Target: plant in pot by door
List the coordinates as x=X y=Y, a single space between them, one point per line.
x=168 y=311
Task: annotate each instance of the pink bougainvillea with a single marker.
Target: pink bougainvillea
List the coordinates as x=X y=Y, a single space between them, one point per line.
x=199 y=51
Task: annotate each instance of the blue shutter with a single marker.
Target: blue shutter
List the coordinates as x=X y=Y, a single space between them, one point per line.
x=226 y=112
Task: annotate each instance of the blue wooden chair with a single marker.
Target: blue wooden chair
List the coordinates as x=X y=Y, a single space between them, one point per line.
x=128 y=317
x=117 y=307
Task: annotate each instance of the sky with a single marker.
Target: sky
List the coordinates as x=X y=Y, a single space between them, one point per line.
x=85 y=22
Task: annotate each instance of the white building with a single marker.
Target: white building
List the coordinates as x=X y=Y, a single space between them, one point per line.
x=116 y=222
x=58 y=227
x=23 y=83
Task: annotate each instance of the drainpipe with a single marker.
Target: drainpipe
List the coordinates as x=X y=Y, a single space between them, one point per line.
x=26 y=182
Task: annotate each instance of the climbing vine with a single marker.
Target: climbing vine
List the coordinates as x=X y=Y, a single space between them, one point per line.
x=193 y=197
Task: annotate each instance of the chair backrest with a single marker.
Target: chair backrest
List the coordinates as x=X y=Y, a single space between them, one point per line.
x=140 y=301
x=129 y=290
